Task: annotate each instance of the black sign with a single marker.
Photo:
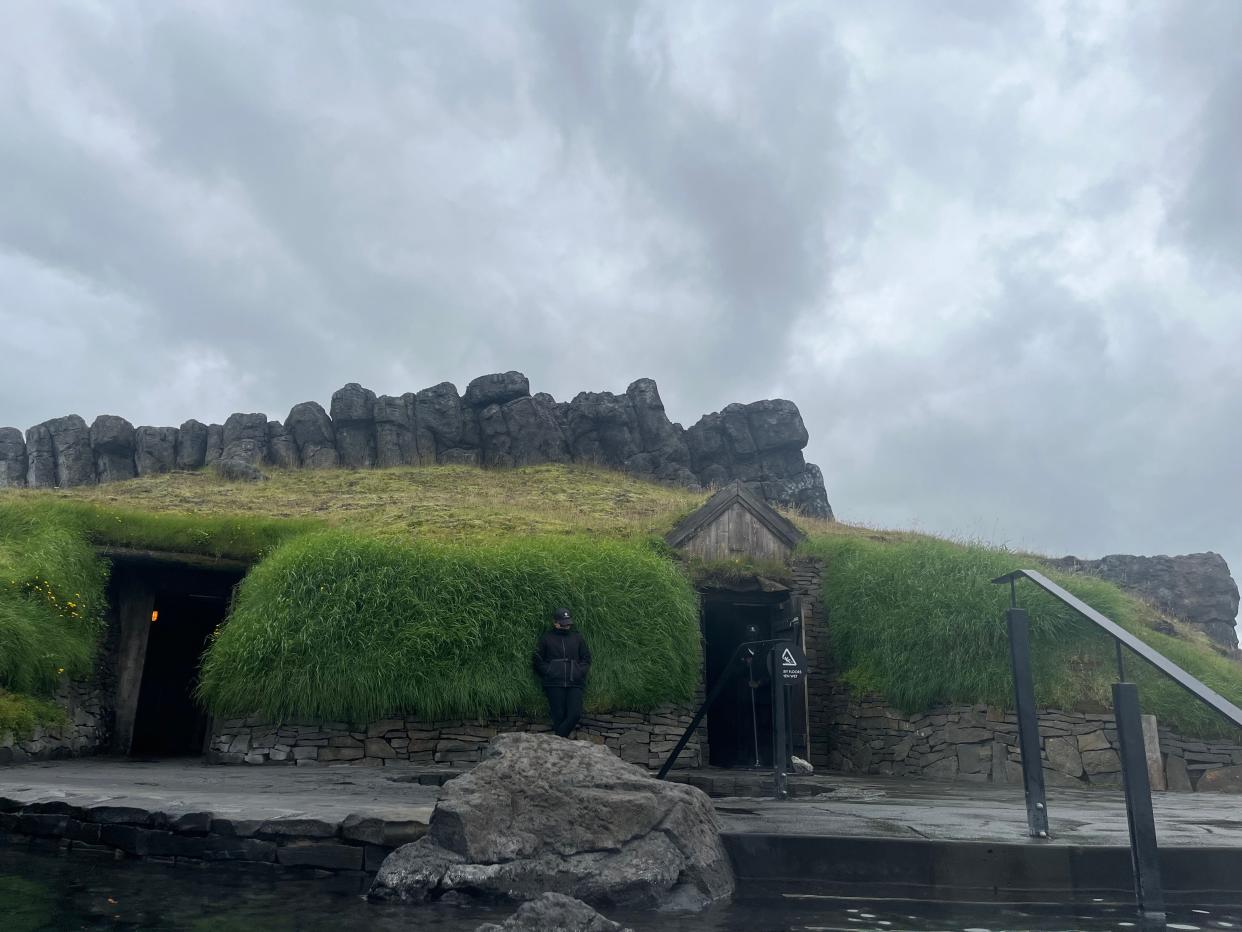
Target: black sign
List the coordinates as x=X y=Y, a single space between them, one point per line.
x=790 y=660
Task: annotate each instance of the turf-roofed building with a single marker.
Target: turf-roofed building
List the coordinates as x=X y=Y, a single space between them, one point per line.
x=365 y=586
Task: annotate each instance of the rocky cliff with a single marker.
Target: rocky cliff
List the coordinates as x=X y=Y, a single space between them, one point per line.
x=496 y=422
x=1196 y=587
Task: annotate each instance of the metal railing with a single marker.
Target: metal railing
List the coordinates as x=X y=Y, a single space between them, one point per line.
x=780 y=738
x=1144 y=853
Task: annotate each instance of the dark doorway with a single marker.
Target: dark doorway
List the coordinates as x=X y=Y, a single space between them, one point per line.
x=168 y=720
x=739 y=723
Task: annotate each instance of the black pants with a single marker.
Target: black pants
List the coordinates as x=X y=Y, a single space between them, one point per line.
x=565 y=704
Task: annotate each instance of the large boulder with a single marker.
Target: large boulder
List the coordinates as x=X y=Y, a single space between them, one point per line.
x=311 y=429
x=155 y=450
x=12 y=458
x=59 y=453
x=40 y=458
x=245 y=439
x=554 y=912
x=496 y=389
x=602 y=428
x=395 y=443
x=353 y=419
x=521 y=432
x=112 y=441
x=191 y=445
x=442 y=428
x=1196 y=587
x=545 y=814
x=215 y=444
x=281 y=450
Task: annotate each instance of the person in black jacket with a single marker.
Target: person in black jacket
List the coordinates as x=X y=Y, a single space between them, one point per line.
x=562 y=660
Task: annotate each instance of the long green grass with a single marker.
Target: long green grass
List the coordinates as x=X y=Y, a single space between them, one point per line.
x=346 y=627
x=918 y=621
x=52 y=600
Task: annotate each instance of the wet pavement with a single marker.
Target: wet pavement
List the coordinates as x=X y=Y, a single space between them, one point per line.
x=845 y=806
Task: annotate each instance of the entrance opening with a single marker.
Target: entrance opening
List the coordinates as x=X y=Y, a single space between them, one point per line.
x=166 y=607
x=739 y=723
x=169 y=720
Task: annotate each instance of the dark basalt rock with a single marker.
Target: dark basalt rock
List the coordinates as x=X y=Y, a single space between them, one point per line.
x=554 y=912
x=1197 y=587
x=542 y=814
x=353 y=419
x=440 y=424
x=497 y=423
x=13 y=463
x=112 y=439
x=313 y=435
x=155 y=450
x=58 y=453
x=496 y=389
x=602 y=428
x=395 y=443
x=281 y=450
x=192 y=445
x=521 y=433
x=245 y=438
x=40 y=458
x=215 y=444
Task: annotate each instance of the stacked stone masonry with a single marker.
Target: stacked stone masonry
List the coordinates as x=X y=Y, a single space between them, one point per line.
x=808 y=584
x=88 y=706
x=354 y=847
x=85 y=731
x=644 y=738
x=496 y=422
x=980 y=744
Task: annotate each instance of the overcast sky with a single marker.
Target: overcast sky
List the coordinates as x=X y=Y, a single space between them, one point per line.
x=990 y=249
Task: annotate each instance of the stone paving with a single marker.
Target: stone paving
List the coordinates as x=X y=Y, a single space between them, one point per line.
x=176 y=786
x=896 y=808
x=826 y=805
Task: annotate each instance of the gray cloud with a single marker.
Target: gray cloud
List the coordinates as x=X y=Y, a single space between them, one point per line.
x=988 y=248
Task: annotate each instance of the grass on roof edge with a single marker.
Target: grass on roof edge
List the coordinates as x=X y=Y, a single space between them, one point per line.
x=345 y=627
x=917 y=620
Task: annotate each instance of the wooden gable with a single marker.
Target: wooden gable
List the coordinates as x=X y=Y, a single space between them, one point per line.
x=735 y=522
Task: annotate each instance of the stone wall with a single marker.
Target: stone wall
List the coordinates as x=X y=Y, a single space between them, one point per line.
x=644 y=738
x=808 y=584
x=496 y=422
x=980 y=744
x=89 y=715
x=86 y=730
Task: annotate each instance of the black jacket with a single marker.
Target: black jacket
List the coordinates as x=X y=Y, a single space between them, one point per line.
x=562 y=658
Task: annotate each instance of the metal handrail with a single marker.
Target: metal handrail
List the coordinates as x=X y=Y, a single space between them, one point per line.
x=1195 y=687
x=711 y=697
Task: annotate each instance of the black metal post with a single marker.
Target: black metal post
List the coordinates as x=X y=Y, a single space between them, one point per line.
x=780 y=741
x=1144 y=852
x=711 y=697
x=1028 y=722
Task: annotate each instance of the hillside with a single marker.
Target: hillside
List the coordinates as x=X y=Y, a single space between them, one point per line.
x=371 y=583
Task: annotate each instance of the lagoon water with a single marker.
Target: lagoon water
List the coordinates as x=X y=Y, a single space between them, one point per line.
x=46 y=891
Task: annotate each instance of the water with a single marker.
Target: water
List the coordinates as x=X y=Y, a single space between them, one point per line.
x=45 y=891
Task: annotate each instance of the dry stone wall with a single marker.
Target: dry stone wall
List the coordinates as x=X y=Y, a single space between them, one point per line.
x=496 y=422
x=643 y=738
x=89 y=707
x=980 y=744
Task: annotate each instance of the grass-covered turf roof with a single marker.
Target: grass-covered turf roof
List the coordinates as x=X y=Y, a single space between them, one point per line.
x=422 y=590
